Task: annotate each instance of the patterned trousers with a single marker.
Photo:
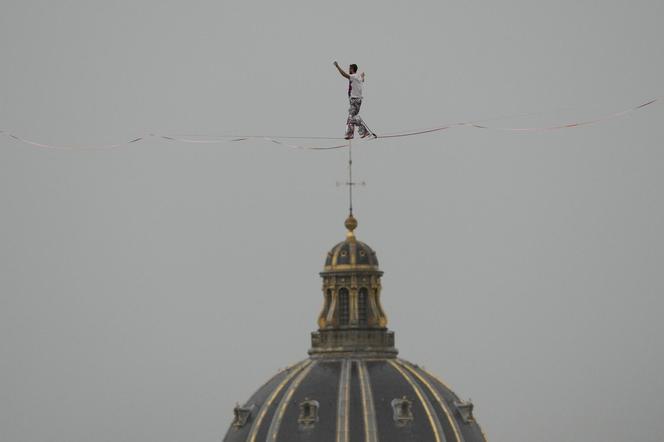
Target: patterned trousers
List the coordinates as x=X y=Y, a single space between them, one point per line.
x=354 y=119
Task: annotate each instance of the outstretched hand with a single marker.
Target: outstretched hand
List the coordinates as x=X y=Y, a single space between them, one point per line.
x=341 y=71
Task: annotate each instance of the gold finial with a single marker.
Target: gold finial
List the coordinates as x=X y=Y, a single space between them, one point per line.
x=351 y=225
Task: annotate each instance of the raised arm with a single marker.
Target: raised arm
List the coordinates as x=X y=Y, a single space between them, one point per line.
x=341 y=71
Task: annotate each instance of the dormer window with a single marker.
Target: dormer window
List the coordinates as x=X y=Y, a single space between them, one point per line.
x=308 y=412
x=241 y=415
x=402 y=411
x=465 y=410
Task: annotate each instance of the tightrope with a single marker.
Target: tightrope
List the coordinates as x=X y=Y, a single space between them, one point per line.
x=341 y=142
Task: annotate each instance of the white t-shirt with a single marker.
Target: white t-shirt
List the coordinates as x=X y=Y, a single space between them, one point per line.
x=355 y=85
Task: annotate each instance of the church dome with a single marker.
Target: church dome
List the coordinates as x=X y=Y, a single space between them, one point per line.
x=349 y=399
x=350 y=254
x=353 y=387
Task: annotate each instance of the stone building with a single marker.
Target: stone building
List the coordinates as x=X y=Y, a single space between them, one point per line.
x=353 y=387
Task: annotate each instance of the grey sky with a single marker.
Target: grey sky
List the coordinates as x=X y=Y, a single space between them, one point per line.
x=145 y=290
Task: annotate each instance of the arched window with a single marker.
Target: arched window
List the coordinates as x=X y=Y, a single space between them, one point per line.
x=308 y=412
x=242 y=415
x=465 y=409
x=344 y=312
x=402 y=411
x=363 y=306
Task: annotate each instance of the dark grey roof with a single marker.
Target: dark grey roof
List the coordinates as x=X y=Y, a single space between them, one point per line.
x=352 y=254
x=354 y=399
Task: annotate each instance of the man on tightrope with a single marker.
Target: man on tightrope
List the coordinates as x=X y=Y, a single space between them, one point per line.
x=355 y=81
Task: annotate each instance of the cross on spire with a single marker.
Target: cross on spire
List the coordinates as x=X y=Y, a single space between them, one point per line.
x=350 y=183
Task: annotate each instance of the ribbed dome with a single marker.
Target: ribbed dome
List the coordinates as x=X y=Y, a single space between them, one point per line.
x=353 y=388
x=348 y=399
x=351 y=254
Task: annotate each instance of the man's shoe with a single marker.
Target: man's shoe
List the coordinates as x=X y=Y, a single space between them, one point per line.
x=348 y=137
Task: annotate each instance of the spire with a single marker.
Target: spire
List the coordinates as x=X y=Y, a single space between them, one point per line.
x=352 y=320
x=350 y=179
x=351 y=222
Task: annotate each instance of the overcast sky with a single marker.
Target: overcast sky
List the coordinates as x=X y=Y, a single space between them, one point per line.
x=144 y=290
